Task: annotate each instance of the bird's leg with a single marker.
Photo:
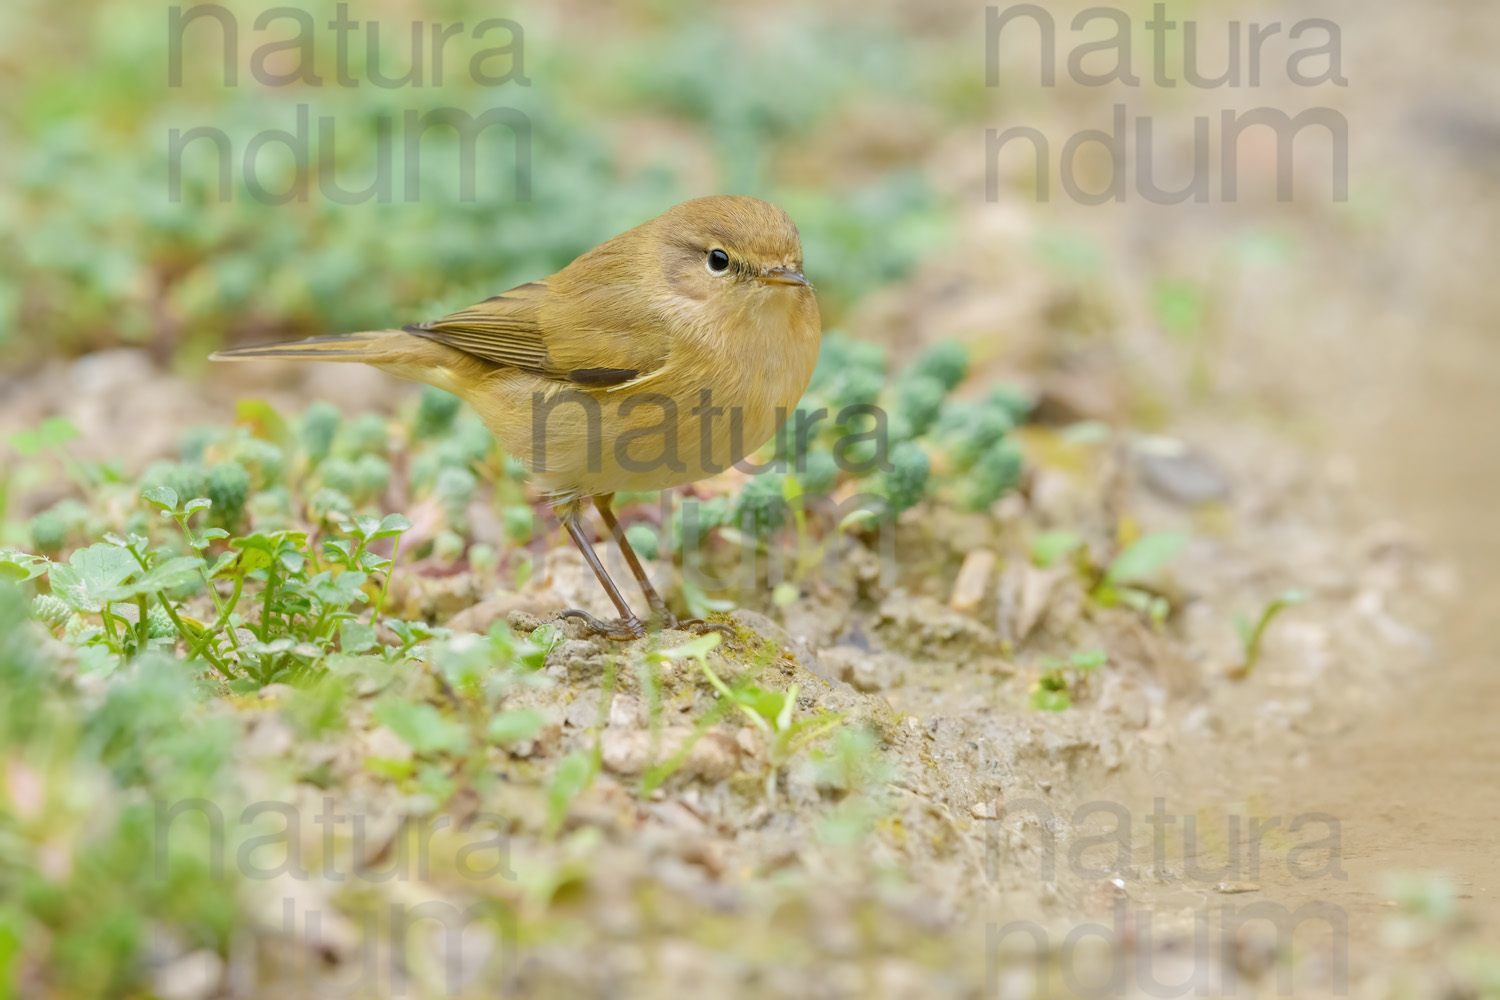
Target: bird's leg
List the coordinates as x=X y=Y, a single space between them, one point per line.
x=628 y=626
x=605 y=504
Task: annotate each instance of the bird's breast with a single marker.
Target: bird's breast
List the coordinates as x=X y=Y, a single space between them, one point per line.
x=715 y=400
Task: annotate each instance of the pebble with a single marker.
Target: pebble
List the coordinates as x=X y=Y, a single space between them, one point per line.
x=973 y=580
x=193 y=976
x=1178 y=472
x=1235 y=888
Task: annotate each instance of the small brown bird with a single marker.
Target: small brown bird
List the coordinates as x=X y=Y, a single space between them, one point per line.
x=657 y=358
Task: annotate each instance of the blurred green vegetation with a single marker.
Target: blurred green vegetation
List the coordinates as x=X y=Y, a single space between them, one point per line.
x=651 y=105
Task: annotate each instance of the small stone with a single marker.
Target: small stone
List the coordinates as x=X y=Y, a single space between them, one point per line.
x=1180 y=473
x=714 y=757
x=500 y=605
x=625 y=712
x=1235 y=888
x=190 y=977
x=990 y=809
x=973 y=580
x=1026 y=594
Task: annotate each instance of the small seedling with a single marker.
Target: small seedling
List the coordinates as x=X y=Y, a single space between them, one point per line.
x=771 y=712
x=1063 y=681
x=1137 y=563
x=1251 y=635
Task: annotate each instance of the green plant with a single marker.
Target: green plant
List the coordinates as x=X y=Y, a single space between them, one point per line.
x=761 y=507
x=1251 y=634
x=906 y=482
x=946 y=362
x=436 y=411
x=318 y=428
x=1124 y=580
x=770 y=712
x=919 y=399
x=996 y=472
x=1048 y=548
x=1061 y=682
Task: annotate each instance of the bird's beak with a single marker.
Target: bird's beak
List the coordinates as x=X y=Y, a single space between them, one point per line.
x=784 y=276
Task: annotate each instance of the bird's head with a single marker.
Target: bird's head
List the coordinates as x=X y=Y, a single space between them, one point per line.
x=732 y=249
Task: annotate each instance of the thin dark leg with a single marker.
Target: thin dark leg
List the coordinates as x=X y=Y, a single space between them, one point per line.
x=628 y=626
x=605 y=504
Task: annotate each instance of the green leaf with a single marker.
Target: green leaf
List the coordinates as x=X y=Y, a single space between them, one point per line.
x=261 y=551
x=517 y=725
x=1091 y=659
x=20 y=566
x=1051 y=546
x=1181 y=306
x=575 y=773
x=56 y=431
x=223 y=564
x=26 y=443
x=356 y=637
x=341 y=549
x=89 y=574
x=699 y=603
x=1046 y=700
x=53 y=432
x=1243 y=629
x=697 y=649
x=166 y=575
x=97 y=660
x=263 y=421
x=422 y=727
x=164 y=497
x=773 y=706
x=197 y=504
x=1145 y=557
x=390 y=526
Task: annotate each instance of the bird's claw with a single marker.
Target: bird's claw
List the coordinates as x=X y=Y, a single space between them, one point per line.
x=698 y=626
x=621 y=629
x=625 y=629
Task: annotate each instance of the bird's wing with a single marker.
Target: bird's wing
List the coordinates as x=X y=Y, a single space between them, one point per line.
x=505 y=329
x=523 y=329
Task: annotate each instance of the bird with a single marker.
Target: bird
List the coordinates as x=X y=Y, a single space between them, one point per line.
x=658 y=358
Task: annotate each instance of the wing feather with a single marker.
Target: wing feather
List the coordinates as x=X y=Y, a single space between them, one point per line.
x=505 y=329
x=523 y=329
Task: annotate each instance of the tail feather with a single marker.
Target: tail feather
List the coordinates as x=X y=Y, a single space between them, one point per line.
x=365 y=347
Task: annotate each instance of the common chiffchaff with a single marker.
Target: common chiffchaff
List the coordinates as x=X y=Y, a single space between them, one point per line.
x=658 y=358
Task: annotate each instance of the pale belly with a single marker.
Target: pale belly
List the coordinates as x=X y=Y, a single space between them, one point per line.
x=580 y=443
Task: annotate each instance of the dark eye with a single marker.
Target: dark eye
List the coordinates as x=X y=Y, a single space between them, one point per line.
x=718 y=261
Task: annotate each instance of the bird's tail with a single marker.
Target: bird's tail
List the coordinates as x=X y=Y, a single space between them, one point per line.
x=370 y=348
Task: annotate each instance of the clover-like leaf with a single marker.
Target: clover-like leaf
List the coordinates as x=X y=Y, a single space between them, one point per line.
x=167 y=575
x=516 y=725
x=89 y=574
x=390 y=526
x=164 y=497
x=1146 y=556
x=421 y=726
x=356 y=637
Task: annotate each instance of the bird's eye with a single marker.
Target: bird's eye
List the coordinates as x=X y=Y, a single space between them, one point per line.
x=718 y=261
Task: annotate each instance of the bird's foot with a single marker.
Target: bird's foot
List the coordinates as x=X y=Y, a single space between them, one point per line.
x=622 y=629
x=697 y=626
